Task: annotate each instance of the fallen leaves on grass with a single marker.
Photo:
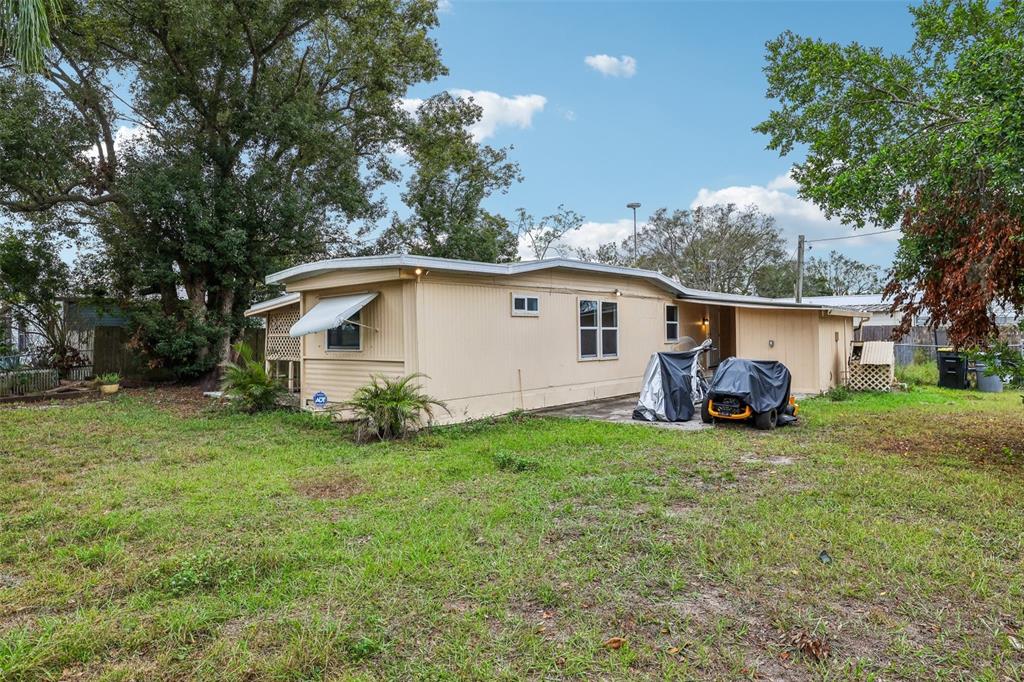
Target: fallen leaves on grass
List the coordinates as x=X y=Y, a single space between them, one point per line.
x=615 y=643
x=980 y=439
x=816 y=648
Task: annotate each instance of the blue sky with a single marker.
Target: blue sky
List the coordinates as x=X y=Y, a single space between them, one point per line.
x=669 y=126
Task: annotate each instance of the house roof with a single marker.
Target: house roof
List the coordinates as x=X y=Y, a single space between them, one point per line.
x=306 y=270
x=876 y=303
x=868 y=303
x=265 y=307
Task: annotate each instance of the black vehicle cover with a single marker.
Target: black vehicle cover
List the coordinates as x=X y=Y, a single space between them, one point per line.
x=667 y=391
x=762 y=384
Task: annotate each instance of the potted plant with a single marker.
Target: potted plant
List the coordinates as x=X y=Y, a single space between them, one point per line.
x=109 y=383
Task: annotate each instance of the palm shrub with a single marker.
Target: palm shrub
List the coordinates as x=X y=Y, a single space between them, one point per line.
x=246 y=381
x=391 y=407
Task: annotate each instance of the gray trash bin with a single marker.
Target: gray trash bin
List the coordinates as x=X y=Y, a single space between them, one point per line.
x=988 y=383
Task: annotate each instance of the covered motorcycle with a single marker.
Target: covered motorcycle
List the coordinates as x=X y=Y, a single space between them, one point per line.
x=673 y=385
x=758 y=390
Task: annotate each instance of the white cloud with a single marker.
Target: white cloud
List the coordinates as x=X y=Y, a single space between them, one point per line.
x=512 y=112
x=123 y=136
x=410 y=104
x=444 y=6
x=590 y=236
x=498 y=111
x=795 y=216
x=784 y=182
x=620 y=67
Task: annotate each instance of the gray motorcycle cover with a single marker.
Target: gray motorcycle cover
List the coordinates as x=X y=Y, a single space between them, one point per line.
x=667 y=391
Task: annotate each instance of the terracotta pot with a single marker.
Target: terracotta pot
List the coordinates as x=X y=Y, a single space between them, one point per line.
x=109 y=389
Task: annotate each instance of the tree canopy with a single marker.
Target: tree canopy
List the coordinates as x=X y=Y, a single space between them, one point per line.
x=718 y=248
x=931 y=140
x=201 y=145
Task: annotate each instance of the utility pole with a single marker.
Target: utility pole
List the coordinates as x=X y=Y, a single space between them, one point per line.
x=636 y=251
x=799 y=268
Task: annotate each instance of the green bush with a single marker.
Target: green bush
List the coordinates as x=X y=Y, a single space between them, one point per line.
x=839 y=393
x=109 y=379
x=248 y=384
x=388 y=408
x=918 y=374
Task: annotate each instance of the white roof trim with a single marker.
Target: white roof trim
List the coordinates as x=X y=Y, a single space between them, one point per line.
x=306 y=270
x=330 y=313
x=272 y=304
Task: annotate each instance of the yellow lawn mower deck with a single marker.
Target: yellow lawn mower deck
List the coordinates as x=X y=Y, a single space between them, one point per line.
x=755 y=390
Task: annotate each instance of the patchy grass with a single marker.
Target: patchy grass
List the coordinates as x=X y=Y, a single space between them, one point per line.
x=925 y=373
x=142 y=539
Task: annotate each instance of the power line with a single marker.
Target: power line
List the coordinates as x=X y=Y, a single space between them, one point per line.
x=850 y=236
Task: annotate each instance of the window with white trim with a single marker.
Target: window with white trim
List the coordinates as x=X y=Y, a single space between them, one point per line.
x=348 y=336
x=671 y=323
x=598 y=329
x=525 y=305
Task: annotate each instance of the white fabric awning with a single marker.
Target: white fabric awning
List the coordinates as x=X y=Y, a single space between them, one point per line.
x=330 y=313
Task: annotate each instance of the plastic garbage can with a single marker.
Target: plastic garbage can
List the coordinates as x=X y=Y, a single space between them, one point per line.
x=952 y=368
x=988 y=383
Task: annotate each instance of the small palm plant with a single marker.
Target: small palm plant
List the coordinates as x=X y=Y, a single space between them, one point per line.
x=248 y=384
x=388 y=408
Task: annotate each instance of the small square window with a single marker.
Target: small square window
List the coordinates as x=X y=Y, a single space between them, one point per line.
x=524 y=305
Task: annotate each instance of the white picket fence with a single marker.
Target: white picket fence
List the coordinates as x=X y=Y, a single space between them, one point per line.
x=27 y=381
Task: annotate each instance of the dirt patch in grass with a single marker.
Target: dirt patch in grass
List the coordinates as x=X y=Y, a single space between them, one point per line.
x=183 y=401
x=334 y=487
x=980 y=439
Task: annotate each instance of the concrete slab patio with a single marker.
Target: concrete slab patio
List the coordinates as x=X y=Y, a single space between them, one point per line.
x=619 y=410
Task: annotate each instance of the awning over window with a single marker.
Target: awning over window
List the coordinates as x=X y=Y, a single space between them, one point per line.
x=330 y=313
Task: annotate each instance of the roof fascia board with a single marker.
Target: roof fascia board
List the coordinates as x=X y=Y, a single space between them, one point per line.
x=307 y=270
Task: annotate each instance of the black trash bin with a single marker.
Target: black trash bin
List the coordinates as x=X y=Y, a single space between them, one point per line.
x=952 y=368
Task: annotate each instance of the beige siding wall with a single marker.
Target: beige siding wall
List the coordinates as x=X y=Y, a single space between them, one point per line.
x=804 y=342
x=834 y=336
x=795 y=336
x=339 y=373
x=482 y=360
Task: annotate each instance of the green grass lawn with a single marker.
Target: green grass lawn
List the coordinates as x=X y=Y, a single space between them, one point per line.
x=142 y=540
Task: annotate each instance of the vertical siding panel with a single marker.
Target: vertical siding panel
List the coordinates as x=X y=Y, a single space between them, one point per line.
x=339 y=373
x=482 y=360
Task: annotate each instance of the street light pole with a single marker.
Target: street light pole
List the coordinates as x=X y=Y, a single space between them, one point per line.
x=634 y=205
x=800 y=268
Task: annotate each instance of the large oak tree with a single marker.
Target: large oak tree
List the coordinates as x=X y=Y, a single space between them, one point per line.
x=205 y=143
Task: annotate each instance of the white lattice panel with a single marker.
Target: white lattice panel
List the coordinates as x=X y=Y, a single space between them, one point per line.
x=870 y=377
x=280 y=346
x=280 y=321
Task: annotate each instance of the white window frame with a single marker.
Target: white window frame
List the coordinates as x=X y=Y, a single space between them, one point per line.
x=599 y=330
x=526 y=312
x=669 y=339
x=359 y=331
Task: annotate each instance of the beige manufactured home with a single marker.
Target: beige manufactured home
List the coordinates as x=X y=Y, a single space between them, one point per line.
x=494 y=338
